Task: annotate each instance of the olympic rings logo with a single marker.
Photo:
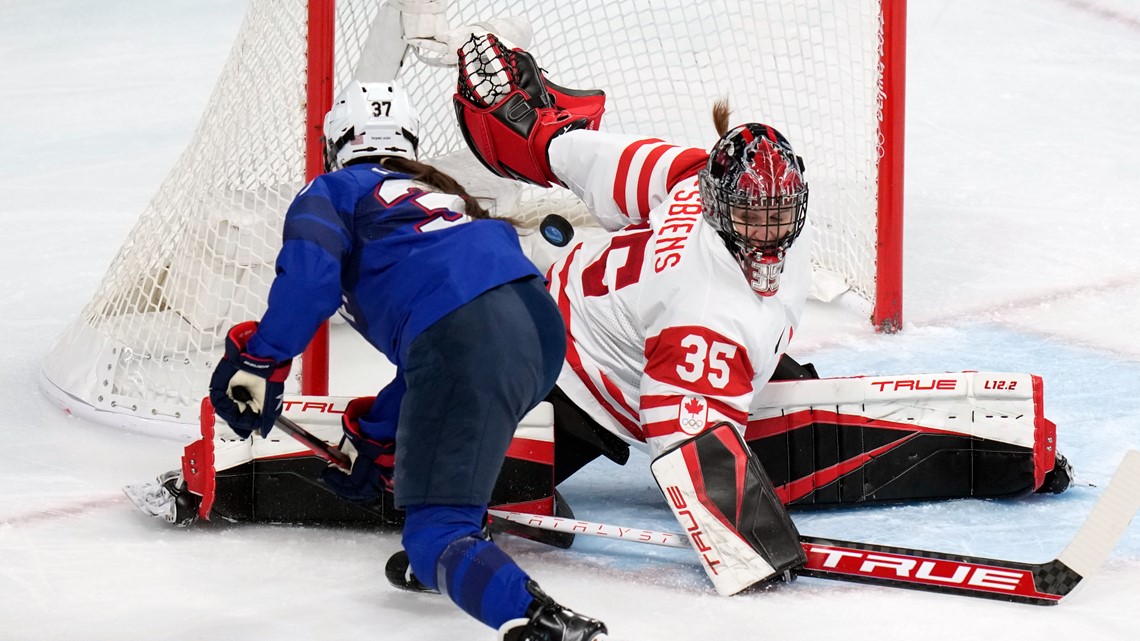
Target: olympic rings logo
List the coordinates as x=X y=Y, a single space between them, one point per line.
x=691 y=424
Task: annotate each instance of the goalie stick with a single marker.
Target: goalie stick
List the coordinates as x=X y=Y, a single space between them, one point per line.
x=1032 y=583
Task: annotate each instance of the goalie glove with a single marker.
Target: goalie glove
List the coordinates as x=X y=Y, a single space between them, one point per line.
x=723 y=499
x=247 y=390
x=509 y=112
x=373 y=460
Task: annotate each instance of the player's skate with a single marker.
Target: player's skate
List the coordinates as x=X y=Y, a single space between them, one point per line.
x=398 y=570
x=548 y=621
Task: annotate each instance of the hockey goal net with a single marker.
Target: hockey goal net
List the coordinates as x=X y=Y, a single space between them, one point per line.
x=201 y=255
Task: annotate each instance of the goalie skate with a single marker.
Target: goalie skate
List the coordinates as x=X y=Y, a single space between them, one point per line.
x=166 y=498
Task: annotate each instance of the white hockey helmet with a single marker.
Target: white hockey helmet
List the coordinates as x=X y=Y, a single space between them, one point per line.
x=370 y=119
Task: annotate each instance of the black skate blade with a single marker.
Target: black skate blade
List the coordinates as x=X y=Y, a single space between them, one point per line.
x=399 y=573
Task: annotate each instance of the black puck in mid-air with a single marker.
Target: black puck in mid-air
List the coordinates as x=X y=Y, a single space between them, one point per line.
x=556 y=230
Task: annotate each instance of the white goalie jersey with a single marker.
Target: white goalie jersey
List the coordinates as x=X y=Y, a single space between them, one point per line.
x=665 y=335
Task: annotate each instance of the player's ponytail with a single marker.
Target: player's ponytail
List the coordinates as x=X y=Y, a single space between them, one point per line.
x=428 y=175
x=720 y=114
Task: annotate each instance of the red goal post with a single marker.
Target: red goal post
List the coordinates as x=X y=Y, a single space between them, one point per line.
x=200 y=258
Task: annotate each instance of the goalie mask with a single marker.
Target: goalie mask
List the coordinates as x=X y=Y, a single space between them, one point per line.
x=754 y=195
x=368 y=120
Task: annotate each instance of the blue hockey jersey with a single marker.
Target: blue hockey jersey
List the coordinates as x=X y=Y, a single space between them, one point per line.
x=397 y=256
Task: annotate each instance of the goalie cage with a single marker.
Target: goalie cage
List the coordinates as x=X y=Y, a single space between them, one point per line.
x=200 y=258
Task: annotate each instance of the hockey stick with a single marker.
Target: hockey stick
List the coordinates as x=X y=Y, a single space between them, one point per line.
x=1032 y=583
x=330 y=453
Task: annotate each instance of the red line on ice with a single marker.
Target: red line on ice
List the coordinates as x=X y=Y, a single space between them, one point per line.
x=78 y=508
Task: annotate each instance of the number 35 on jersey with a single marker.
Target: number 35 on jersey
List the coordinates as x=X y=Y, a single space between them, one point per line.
x=699 y=360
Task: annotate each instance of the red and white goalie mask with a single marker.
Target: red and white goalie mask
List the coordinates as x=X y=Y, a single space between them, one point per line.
x=754 y=194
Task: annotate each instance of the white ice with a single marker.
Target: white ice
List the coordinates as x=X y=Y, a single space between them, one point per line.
x=1023 y=254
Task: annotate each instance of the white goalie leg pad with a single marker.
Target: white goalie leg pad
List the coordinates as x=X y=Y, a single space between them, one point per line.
x=998 y=406
x=721 y=496
x=217 y=451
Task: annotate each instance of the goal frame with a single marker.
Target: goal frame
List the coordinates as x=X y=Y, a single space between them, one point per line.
x=318 y=101
x=887 y=315
x=201 y=255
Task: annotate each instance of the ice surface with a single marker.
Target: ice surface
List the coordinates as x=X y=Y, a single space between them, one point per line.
x=1023 y=253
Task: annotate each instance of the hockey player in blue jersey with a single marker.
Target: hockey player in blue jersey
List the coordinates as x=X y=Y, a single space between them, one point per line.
x=446 y=293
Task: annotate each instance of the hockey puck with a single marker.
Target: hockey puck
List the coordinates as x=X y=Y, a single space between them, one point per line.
x=556 y=230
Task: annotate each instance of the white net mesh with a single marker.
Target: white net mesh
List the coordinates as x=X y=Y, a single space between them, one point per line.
x=201 y=256
x=808 y=68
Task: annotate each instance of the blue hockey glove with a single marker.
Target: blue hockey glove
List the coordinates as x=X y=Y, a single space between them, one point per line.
x=373 y=462
x=246 y=390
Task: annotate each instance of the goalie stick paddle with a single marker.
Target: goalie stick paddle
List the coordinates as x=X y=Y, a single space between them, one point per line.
x=1033 y=583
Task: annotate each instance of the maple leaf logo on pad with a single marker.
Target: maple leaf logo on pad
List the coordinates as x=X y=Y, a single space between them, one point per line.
x=693 y=414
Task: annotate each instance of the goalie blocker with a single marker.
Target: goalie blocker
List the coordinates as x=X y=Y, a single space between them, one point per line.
x=729 y=510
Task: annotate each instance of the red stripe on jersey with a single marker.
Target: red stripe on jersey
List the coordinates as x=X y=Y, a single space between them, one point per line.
x=621 y=179
x=672 y=425
x=654 y=401
x=685 y=166
x=560 y=283
x=663 y=428
x=616 y=393
x=738 y=416
x=574 y=359
x=646 y=175
x=651 y=401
